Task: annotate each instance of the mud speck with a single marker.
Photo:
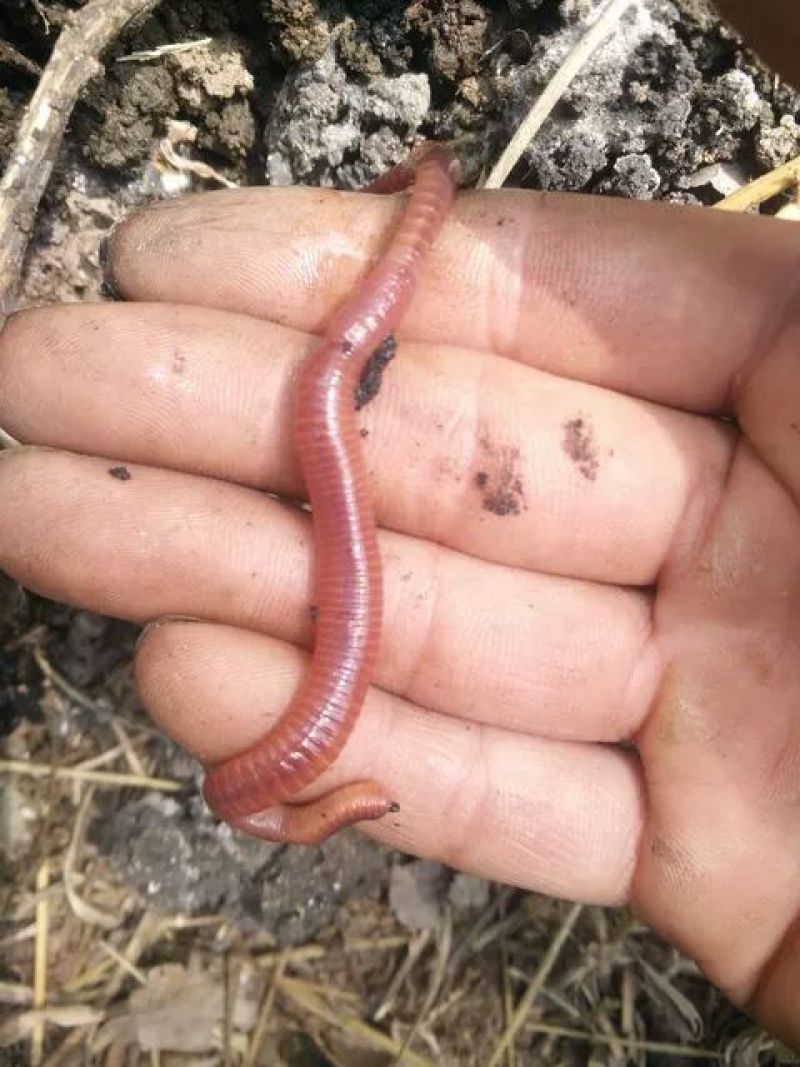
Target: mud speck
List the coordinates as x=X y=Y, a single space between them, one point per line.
x=579 y=445
x=499 y=482
x=369 y=383
x=122 y=474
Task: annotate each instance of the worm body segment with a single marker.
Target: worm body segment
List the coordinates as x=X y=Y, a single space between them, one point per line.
x=254 y=789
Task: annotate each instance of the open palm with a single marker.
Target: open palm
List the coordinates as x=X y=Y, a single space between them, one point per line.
x=578 y=551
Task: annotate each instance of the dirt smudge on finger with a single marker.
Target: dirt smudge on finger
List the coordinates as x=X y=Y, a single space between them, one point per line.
x=579 y=444
x=498 y=478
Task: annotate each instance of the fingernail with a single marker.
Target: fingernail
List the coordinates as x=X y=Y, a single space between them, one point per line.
x=162 y=621
x=108 y=286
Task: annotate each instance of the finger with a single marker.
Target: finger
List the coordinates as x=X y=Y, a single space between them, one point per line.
x=658 y=301
x=467 y=450
x=487 y=642
x=559 y=817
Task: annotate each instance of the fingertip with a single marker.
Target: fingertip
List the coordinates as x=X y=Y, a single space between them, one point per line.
x=214 y=689
x=133 y=237
x=162 y=642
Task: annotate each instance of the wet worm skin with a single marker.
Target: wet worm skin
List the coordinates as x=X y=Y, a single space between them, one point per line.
x=253 y=791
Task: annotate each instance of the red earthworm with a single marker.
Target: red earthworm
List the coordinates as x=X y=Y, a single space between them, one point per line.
x=253 y=791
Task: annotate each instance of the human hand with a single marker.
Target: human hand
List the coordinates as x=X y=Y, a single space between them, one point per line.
x=577 y=550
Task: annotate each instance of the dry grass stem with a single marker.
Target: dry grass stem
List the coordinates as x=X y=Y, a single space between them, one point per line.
x=79 y=774
x=26 y=933
x=312 y=952
x=126 y=965
x=14 y=58
x=73 y=1038
x=85 y=911
x=559 y=83
x=309 y=1000
x=230 y=974
x=189 y=922
x=58 y=681
x=444 y=946
x=508 y=1003
x=251 y=1057
x=98 y=709
x=125 y=743
x=419 y=942
x=536 y=983
x=15 y=993
x=102 y=759
x=778 y=181
x=40 y=962
x=662 y=1048
x=146 y=55
x=146 y=933
x=29 y=1023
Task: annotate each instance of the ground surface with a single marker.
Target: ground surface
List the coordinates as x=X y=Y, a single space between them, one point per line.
x=342 y=951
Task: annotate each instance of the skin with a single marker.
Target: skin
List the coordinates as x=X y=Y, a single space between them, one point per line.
x=577 y=549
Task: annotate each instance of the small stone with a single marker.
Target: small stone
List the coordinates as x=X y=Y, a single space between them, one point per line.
x=776 y=145
x=737 y=98
x=468 y=892
x=635 y=177
x=417 y=892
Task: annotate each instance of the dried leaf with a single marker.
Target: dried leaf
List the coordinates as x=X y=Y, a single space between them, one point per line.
x=180 y=1009
x=177 y=1010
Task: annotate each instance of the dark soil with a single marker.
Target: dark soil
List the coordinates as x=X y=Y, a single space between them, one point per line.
x=332 y=92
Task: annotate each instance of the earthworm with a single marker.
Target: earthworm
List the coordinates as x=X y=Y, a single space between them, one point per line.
x=253 y=790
